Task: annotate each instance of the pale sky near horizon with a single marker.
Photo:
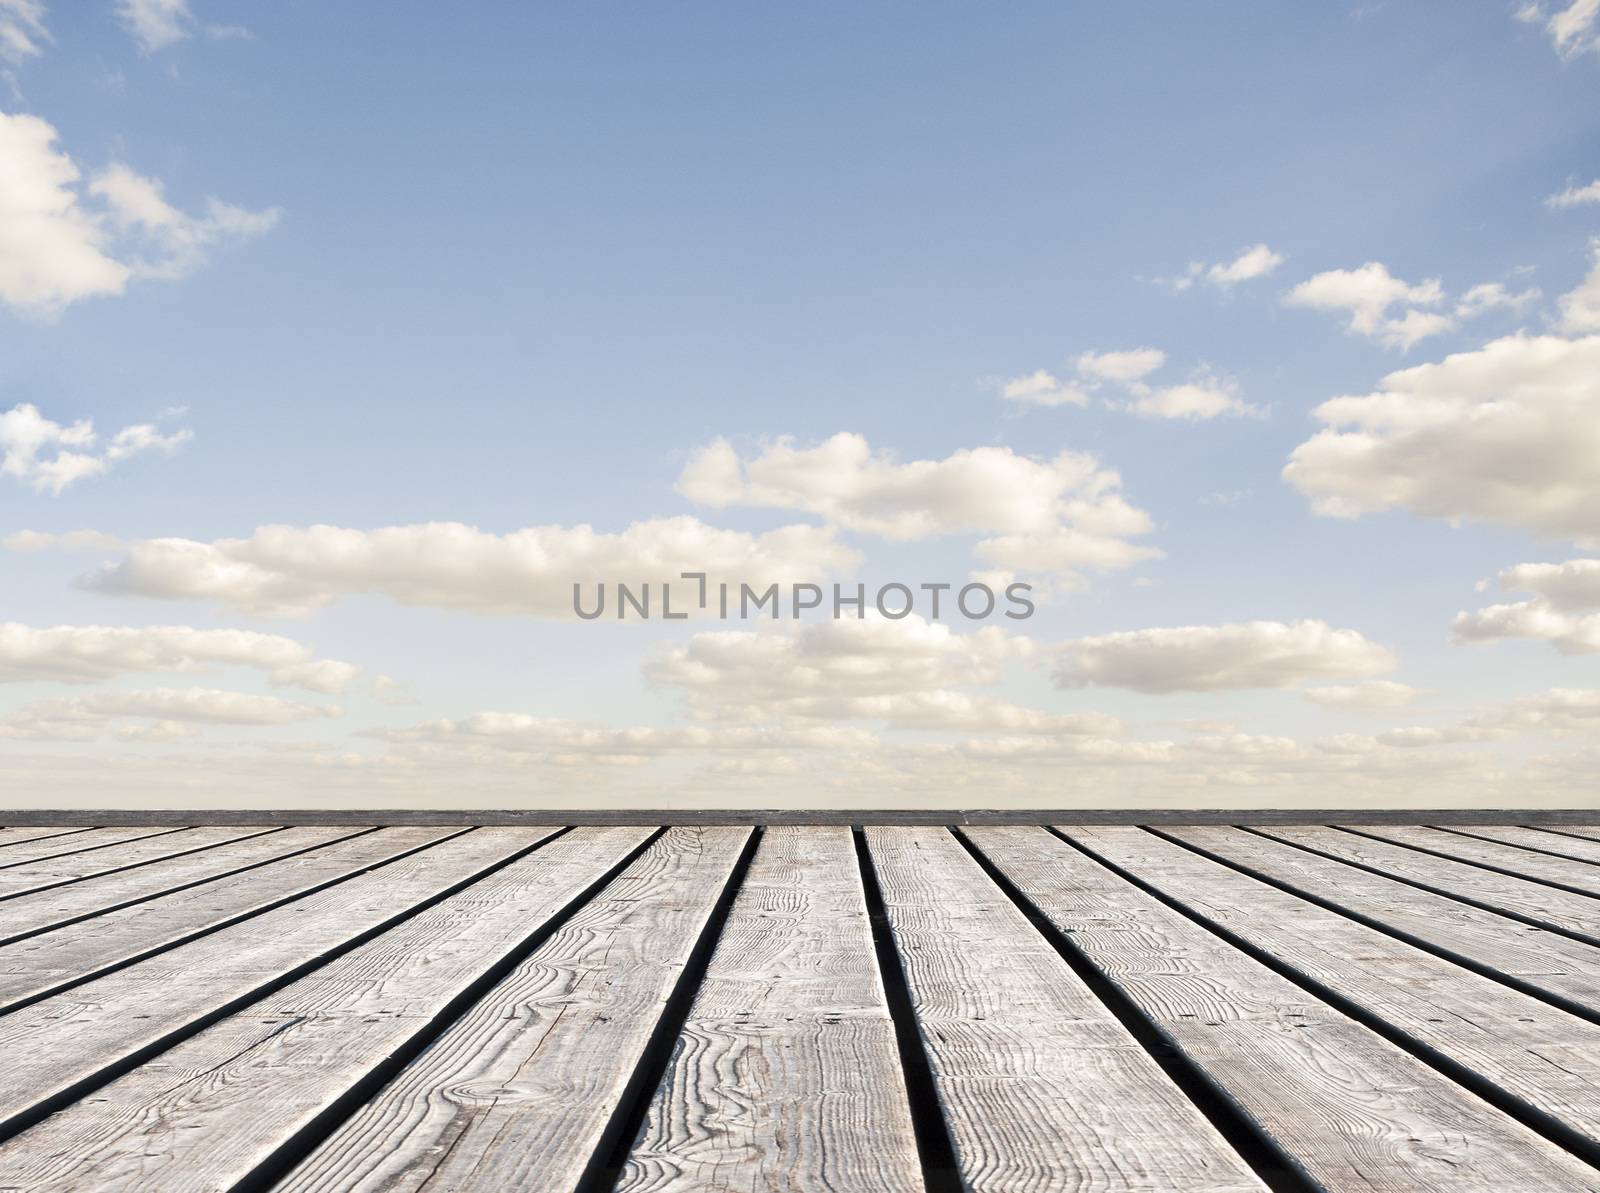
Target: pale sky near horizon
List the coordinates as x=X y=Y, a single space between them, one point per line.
x=339 y=342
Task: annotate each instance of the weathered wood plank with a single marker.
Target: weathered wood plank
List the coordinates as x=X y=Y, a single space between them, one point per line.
x=78 y=867
x=54 y=1046
x=1357 y=1112
x=206 y=1113
x=1544 y=1056
x=83 y=947
x=44 y=848
x=17 y=836
x=1577 y=830
x=1577 y=848
x=1547 y=905
x=787 y=1075
x=1579 y=876
x=28 y=912
x=1563 y=968
x=516 y=1094
x=1042 y=1087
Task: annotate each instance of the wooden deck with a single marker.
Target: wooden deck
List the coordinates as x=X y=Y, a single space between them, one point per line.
x=807 y=1008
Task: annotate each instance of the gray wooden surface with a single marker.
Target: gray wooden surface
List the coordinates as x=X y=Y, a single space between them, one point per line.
x=1042 y=1086
x=449 y=1008
x=786 y=1077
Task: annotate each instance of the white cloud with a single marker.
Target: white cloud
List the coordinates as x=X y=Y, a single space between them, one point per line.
x=1204 y=396
x=47 y=456
x=289 y=571
x=904 y=673
x=1580 y=307
x=392 y=692
x=1046 y=515
x=1256 y=261
x=1564 y=611
x=1575 y=196
x=72 y=718
x=1123 y=367
x=155 y=24
x=1573 y=29
x=21 y=30
x=60 y=242
x=1257 y=654
x=1372 y=696
x=1368 y=296
x=181 y=243
x=1508 y=433
x=1041 y=388
x=87 y=654
x=1494 y=296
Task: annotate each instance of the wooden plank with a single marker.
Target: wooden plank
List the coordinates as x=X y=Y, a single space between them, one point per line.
x=43 y=848
x=206 y=1113
x=516 y=1093
x=787 y=1073
x=83 y=948
x=1563 y=968
x=1575 y=830
x=1544 y=1056
x=1358 y=1113
x=1531 y=838
x=17 y=836
x=1546 y=905
x=1577 y=876
x=1041 y=1085
x=53 y=1046
x=26 y=913
x=53 y=872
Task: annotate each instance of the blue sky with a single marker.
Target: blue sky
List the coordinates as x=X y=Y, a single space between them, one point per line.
x=519 y=266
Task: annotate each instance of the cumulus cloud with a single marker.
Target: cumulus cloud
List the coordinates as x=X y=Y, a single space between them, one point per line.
x=1573 y=28
x=1257 y=654
x=155 y=24
x=21 y=30
x=1041 y=388
x=386 y=690
x=88 y=654
x=1508 y=433
x=48 y=456
x=1256 y=261
x=1121 y=379
x=61 y=241
x=290 y=571
x=1559 y=711
x=1575 y=196
x=1374 y=695
x=1580 y=307
x=1564 y=610
x=1059 y=515
x=1494 y=296
x=1369 y=297
x=904 y=673
x=73 y=718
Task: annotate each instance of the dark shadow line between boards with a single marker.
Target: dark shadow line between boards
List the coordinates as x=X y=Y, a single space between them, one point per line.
x=1277 y=1168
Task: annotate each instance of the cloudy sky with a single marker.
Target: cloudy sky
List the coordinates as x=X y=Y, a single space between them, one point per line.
x=1262 y=341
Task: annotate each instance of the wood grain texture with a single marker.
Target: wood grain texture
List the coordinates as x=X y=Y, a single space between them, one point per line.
x=202 y=1115
x=1545 y=1056
x=1590 y=832
x=83 y=947
x=1565 y=968
x=17 y=836
x=1357 y=1112
x=80 y=867
x=1576 y=875
x=88 y=841
x=1520 y=835
x=787 y=1075
x=1042 y=1087
x=1547 y=905
x=53 y=1045
x=516 y=1093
